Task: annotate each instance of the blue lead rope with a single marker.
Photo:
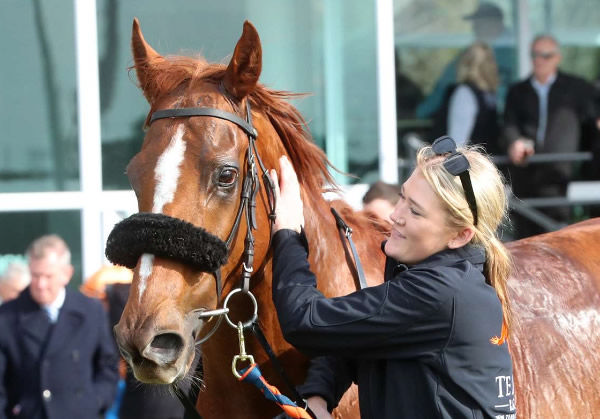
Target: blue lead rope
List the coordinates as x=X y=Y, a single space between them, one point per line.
x=253 y=376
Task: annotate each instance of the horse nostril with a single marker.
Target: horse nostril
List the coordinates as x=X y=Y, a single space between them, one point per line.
x=164 y=348
x=167 y=341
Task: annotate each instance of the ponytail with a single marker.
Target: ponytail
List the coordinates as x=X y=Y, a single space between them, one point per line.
x=497 y=270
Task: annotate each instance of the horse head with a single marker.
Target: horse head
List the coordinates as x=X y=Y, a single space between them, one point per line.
x=203 y=228
x=189 y=174
x=199 y=191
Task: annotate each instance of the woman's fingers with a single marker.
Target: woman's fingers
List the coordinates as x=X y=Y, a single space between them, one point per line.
x=289 y=211
x=275 y=178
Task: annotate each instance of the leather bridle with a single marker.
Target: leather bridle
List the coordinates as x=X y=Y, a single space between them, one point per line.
x=250 y=188
x=249 y=192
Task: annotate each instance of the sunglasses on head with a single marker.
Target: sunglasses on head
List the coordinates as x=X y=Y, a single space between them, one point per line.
x=457 y=165
x=541 y=54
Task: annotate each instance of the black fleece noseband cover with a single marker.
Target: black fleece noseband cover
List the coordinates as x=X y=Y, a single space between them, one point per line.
x=167 y=237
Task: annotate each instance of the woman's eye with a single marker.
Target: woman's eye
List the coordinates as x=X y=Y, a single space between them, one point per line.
x=414 y=211
x=227 y=177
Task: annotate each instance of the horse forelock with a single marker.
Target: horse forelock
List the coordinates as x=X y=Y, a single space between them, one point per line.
x=171 y=72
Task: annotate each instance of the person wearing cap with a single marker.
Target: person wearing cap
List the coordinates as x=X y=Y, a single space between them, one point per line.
x=488 y=22
x=430 y=341
x=488 y=27
x=545 y=113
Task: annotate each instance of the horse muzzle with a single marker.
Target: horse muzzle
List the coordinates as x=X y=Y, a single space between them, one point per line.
x=159 y=357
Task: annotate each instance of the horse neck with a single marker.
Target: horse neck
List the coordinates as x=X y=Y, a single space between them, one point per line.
x=330 y=256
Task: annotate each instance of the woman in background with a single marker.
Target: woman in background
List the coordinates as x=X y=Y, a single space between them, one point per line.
x=469 y=113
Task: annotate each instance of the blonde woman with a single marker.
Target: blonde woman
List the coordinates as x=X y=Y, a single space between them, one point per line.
x=469 y=113
x=431 y=340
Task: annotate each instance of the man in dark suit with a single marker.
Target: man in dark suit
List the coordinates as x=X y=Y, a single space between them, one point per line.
x=57 y=357
x=545 y=113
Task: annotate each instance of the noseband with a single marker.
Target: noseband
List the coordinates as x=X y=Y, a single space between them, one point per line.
x=167 y=237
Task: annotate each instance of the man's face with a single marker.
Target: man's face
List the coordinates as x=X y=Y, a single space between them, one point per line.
x=49 y=274
x=546 y=58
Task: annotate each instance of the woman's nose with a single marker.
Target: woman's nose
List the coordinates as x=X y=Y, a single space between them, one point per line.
x=397 y=217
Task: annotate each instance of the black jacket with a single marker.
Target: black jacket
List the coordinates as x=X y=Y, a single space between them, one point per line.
x=417 y=345
x=65 y=370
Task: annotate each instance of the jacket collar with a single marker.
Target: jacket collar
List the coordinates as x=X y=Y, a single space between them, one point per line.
x=470 y=253
x=32 y=320
x=558 y=78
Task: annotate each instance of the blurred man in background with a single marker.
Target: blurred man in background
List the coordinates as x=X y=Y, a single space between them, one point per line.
x=57 y=356
x=545 y=113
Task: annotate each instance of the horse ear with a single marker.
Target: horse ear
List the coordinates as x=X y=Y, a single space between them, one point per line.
x=145 y=59
x=244 y=68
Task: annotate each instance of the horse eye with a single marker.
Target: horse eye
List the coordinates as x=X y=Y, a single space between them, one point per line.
x=228 y=176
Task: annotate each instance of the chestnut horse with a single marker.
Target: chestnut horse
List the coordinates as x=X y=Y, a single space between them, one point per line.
x=193 y=168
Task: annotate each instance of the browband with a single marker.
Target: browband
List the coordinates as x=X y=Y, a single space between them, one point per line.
x=215 y=113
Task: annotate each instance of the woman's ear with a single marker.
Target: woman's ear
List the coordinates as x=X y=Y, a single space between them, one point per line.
x=461 y=238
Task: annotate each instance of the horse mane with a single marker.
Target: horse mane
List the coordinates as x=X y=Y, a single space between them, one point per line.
x=184 y=73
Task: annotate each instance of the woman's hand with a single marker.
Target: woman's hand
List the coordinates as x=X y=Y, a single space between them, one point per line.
x=319 y=407
x=289 y=210
x=317 y=404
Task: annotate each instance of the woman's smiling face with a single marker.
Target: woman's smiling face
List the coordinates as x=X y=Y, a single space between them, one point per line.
x=419 y=227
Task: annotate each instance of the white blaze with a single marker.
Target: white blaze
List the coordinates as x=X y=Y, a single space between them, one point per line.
x=166 y=174
x=145 y=271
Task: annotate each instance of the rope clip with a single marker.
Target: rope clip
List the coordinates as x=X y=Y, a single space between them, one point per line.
x=242 y=356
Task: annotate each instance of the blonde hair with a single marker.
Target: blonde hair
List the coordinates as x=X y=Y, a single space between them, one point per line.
x=477 y=65
x=40 y=248
x=492 y=206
